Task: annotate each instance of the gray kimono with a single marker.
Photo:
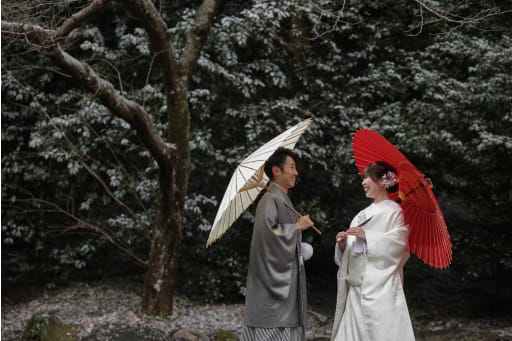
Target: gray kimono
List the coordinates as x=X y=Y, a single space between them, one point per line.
x=276 y=282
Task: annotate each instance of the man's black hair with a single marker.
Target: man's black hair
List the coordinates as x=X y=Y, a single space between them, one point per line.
x=278 y=159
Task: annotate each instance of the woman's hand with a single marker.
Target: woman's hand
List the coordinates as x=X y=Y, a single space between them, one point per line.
x=341 y=239
x=358 y=232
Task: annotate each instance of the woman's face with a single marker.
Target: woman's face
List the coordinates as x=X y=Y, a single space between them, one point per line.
x=372 y=188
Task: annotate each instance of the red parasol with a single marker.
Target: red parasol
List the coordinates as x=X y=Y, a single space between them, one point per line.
x=428 y=237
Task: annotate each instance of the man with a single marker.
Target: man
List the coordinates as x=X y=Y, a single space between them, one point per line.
x=275 y=302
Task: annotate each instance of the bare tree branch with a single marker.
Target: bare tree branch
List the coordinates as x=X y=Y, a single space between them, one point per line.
x=125 y=172
x=439 y=15
x=77 y=19
x=85 y=225
x=92 y=172
x=173 y=158
x=337 y=16
x=159 y=42
x=70 y=23
x=124 y=108
x=456 y=19
x=196 y=37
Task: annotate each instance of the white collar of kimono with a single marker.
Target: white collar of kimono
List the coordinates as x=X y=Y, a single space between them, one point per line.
x=359 y=246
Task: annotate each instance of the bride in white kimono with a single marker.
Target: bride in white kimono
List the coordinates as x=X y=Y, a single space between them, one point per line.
x=370 y=255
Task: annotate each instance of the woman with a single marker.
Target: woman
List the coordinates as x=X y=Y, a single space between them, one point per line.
x=370 y=255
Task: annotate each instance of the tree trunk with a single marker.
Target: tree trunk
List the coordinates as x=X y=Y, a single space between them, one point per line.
x=173 y=158
x=160 y=278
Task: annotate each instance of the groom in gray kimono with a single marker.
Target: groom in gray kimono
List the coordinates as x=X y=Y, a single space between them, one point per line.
x=275 y=302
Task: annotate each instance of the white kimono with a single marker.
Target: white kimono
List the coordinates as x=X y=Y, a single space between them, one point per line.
x=371 y=303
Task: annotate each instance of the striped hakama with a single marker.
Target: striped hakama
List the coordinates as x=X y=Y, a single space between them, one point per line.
x=272 y=334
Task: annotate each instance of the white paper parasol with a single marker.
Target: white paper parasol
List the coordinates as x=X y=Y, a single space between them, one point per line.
x=249 y=179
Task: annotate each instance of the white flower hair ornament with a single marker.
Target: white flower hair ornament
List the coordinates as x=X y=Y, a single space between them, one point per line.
x=389 y=179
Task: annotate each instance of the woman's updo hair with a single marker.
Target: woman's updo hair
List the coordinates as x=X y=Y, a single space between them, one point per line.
x=377 y=170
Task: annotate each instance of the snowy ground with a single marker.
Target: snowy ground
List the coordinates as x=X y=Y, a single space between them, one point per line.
x=113 y=305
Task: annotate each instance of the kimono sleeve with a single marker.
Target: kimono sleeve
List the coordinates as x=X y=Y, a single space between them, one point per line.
x=386 y=247
x=278 y=249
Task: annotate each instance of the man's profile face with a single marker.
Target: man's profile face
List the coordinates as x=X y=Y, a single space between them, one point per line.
x=287 y=175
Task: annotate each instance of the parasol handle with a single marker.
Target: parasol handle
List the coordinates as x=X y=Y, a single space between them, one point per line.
x=298 y=214
x=294 y=210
